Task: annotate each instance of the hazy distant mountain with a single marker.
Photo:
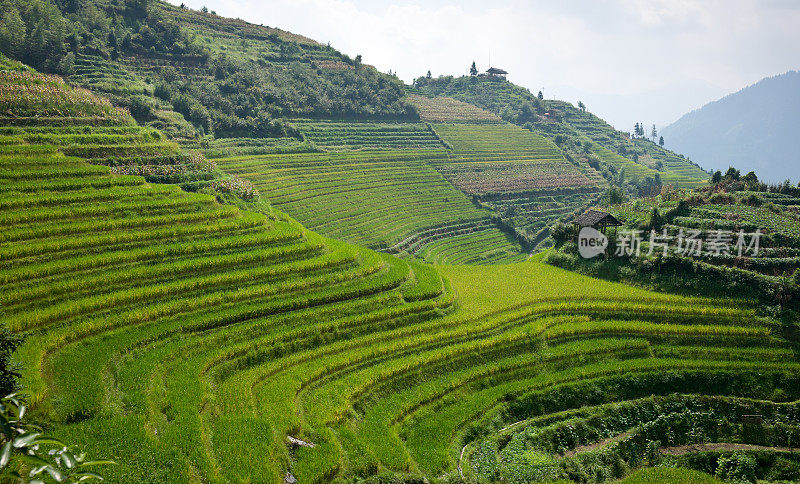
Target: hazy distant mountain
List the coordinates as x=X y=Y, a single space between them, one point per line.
x=754 y=129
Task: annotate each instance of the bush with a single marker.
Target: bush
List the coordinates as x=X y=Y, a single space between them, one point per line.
x=561 y=233
x=722 y=199
x=753 y=200
x=27 y=456
x=739 y=467
x=8 y=376
x=140 y=109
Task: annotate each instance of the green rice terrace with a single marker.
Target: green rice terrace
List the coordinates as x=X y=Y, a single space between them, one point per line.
x=231 y=253
x=191 y=340
x=580 y=134
x=522 y=177
x=338 y=136
x=346 y=195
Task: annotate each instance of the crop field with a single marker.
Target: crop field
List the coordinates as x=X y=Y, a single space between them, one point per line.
x=449 y=110
x=675 y=170
x=366 y=135
x=773 y=217
x=533 y=214
x=506 y=159
x=488 y=246
x=228 y=147
x=521 y=176
x=550 y=118
x=193 y=341
x=347 y=195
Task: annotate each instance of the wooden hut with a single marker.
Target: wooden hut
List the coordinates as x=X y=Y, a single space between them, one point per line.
x=495 y=72
x=596 y=219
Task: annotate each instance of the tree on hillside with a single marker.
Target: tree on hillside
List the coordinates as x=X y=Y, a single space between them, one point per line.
x=12 y=32
x=581 y=106
x=716 y=177
x=661 y=141
x=428 y=75
x=540 y=95
x=357 y=62
x=654 y=133
x=732 y=174
x=615 y=196
x=751 y=181
x=473 y=71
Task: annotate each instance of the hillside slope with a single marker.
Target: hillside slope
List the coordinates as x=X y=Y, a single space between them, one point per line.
x=193 y=73
x=580 y=134
x=522 y=177
x=98 y=267
x=753 y=130
x=193 y=341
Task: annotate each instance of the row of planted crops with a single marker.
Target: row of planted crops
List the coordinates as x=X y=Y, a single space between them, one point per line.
x=190 y=340
x=522 y=177
x=388 y=200
x=721 y=221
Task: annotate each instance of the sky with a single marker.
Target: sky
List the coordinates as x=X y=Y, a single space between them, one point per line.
x=629 y=61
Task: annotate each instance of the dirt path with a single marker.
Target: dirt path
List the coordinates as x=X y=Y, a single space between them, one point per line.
x=681 y=449
x=687 y=449
x=589 y=447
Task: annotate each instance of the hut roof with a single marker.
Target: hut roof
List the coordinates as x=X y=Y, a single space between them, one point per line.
x=495 y=70
x=596 y=218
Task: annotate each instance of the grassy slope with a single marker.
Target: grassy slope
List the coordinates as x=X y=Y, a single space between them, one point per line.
x=521 y=176
x=380 y=199
x=195 y=336
x=190 y=73
x=517 y=105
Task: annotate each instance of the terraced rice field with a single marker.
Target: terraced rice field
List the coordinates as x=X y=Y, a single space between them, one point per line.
x=517 y=174
x=104 y=273
x=679 y=175
x=488 y=246
x=672 y=163
x=228 y=147
x=449 y=110
x=347 y=195
x=507 y=159
x=367 y=135
x=190 y=340
x=676 y=171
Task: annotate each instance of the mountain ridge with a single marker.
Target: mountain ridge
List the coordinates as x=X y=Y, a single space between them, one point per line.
x=749 y=129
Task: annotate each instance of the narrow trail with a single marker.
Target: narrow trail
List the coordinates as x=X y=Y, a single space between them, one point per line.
x=688 y=449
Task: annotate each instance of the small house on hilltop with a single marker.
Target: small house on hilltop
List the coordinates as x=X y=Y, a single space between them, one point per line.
x=596 y=219
x=495 y=72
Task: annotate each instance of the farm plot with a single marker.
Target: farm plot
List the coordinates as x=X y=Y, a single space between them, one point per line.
x=104 y=273
x=367 y=135
x=378 y=199
x=707 y=215
x=506 y=159
x=488 y=246
x=449 y=110
x=608 y=143
x=416 y=407
x=194 y=341
x=42 y=110
x=516 y=173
